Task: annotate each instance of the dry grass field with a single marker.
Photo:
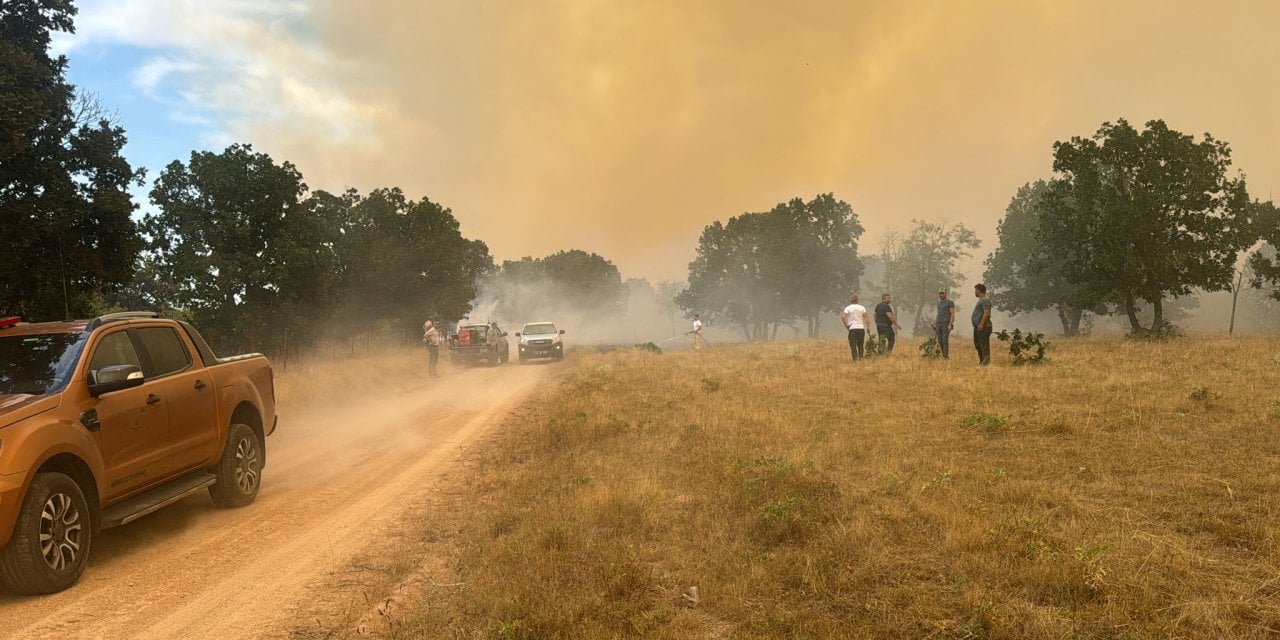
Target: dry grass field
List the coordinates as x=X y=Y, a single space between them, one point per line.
x=1122 y=490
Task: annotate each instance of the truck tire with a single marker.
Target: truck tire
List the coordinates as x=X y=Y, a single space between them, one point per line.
x=50 y=545
x=239 y=471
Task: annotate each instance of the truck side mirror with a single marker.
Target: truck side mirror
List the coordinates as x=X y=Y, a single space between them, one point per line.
x=116 y=378
x=562 y=332
x=517 y=334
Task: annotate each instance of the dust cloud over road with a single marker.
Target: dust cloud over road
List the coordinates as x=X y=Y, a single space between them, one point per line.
x=336 y=484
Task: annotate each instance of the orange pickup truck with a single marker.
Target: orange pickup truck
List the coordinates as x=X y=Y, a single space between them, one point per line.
x=106 y=420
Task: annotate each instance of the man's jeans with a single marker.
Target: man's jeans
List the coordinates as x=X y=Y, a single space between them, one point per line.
x=433 y=357
x=857 y=342
x=943 y=332
x=982 y=342
x=886 y=331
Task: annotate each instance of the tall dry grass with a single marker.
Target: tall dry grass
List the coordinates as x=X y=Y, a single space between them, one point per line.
x=1123 y=490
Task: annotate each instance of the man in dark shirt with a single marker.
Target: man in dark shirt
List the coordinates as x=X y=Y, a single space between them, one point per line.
x=982 y=324
x=886 y=321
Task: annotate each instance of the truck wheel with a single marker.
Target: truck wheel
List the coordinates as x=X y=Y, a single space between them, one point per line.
x=50 y=544
x=239 y=471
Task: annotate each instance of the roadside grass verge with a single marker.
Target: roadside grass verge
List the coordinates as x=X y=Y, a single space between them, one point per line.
x=1123 y=490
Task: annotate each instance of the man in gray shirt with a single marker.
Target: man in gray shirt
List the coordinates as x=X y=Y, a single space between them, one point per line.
x=982 y=324
x=945 y=322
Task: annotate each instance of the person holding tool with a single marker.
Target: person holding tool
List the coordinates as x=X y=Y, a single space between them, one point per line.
x=886 y=320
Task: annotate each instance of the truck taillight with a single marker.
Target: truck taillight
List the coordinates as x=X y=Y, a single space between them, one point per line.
x=5 y=323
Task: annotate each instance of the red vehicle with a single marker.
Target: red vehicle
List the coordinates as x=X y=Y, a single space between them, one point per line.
x=470 y=344
x=106 y=420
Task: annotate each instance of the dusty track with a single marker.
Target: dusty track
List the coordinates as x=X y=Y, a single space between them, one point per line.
x=337 y=484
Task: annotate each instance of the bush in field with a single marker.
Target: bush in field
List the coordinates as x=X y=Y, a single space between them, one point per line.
x=650 y=347
x=1026 y=348
x=877 y=345
x=930 y=349
x=1160 y=332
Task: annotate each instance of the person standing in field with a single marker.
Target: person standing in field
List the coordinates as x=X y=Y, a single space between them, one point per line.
x=886 y=321
x=856 y=321
x=432 y=339
x=945 y=322
x=697 y=331
x=982 y=324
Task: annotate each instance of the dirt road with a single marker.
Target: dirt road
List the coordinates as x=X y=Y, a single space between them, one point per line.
x=337 y=484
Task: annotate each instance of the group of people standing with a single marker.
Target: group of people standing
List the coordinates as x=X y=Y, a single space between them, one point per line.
x=857 y=320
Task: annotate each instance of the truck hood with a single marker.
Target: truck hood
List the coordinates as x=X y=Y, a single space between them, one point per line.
x=554 y=337
x=20 y=406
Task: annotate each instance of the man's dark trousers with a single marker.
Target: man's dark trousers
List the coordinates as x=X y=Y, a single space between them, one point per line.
x=857 y=342
x=886 y=330
x=943 y=333
x=982 y=342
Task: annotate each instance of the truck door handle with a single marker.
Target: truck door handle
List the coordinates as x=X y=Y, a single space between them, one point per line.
x=153 y=399
x=200 y=385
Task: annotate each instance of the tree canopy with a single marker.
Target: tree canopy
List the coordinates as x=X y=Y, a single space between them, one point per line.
x=1264 y=263
x=1144 y=215
x=921 y=261
x=1022 y=274
x=232 y=234
x=405 y=261
x=761 y=270
x=572 y=283
x=65 y=204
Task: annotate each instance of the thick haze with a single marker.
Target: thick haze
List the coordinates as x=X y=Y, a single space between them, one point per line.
x=625 y=127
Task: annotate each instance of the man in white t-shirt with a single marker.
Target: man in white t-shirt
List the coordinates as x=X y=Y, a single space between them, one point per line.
x=856 y=321
x=697 y=331
x=431 y=337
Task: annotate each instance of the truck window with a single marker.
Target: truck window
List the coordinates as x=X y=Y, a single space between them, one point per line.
x=112 y=350
x=38 y=364
x=168 y=354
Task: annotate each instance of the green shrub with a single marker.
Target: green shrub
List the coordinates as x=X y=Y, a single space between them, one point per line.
x=877 y=345
x=1026 y=348
x=650 y=347
x=930 y=350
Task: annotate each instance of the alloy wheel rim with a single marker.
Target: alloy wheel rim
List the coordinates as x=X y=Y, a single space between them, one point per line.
x=247 y=465
x=60 y=532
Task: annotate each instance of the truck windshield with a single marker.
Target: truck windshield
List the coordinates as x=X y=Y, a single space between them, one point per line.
x=38 y=364
x=540 y=329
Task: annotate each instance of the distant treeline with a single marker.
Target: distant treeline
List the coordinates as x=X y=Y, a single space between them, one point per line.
x=236 y=241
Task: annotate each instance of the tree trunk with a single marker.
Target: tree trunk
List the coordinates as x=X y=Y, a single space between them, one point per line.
x=1235 y=294
x=1070 y=319
x=1131 y=310
x=1159 y=319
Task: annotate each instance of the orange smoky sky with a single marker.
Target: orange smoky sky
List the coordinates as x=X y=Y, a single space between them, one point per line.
x=626 y=127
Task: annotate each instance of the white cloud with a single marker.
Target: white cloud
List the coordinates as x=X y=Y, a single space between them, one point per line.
x=150 y=75
x=245 y=64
